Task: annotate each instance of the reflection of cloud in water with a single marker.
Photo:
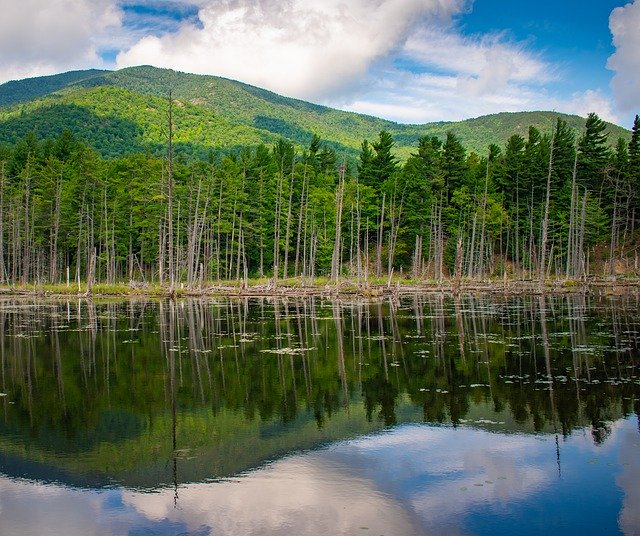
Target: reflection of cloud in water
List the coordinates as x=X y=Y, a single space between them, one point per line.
x=401 y=482
x=300 y=495
x=410 y=480
x=28 y=508
x=629 y=481
x=443 y=472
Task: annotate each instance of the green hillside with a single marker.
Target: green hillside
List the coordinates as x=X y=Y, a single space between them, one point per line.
x=18 y=91
x=118 y=122
x=124 y=111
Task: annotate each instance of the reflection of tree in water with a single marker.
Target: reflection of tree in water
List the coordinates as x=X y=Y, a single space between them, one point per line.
x=545 y=363
x=379 y=391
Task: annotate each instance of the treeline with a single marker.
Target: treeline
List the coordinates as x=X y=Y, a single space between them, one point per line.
x=545 y=205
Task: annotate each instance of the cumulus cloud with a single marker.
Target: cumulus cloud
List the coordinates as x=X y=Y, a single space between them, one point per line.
x=350 y=55
x=589 y=101
x=624 y=23
x=405 y=60
x=298 y=48
x=484 y=64
x=45 y=37
x=427 y=98
x=468 y=76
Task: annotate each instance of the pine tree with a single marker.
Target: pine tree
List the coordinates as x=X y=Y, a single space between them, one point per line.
x=593 y=154
x=453 y=164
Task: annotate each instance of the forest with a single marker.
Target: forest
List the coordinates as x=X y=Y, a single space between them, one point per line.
x=559 y=204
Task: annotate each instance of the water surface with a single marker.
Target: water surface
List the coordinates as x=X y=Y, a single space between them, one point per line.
x=424 y=415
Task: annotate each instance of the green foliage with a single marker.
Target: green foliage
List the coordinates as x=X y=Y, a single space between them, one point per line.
x=18 y=91
x=593 y=153
x=226 y=115
x=105 y=387
x=254 y=185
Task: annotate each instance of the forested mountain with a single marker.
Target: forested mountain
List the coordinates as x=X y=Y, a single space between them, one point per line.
x=18 y=91
x=101 y=182
x=122 y=112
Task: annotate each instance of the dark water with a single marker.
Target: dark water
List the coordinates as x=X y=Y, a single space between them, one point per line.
x=428 y=415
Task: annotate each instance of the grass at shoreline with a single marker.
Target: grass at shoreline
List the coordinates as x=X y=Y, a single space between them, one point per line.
x=323 y=286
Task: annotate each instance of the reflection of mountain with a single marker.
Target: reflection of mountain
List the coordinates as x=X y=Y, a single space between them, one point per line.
x=18 y=467
x=91 y=387
x=413 y=479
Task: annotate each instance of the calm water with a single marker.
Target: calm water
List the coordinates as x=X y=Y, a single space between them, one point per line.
x=427 y=415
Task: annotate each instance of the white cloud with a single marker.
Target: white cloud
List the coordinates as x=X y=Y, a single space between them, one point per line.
x=590 y=101
x=624 y=24
x=482 y=65
x=298 y=48
x=467 y=77
x=39 y=37
x=427 y=98
x=405 y=60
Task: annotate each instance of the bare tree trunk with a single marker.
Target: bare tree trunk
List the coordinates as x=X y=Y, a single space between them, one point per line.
x=583 y=270
x=113 y=246
x=417 y=257
x=261 y=223
x=517 y=231
x=193 y=231
x=571 y=239
x=285 y=267
x=238 y=262
x=91 y=269
x=358 y=223
x=440 y=241
x=337 y=245
x=15 y=233
x=484 y=221
x=161 y=251
x=170 y=260
x=26 y=242
x=130 y=253
x=545 y=220
x=614 y=228
x=394 y=221
x=312 y=254
x=366 y=250
x=219 y=233
x=177 y=248
x=78 y=250
x=472 y=247
x=276 y=233
x=380 y=235
x=296 y=271
x=105 y=242
x=459 y=255
x=2 y=266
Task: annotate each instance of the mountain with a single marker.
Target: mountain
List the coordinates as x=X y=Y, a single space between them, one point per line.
x=18 y=91
x=120 y=112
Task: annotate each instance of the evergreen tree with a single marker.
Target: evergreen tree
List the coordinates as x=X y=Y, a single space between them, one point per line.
x=593 y=154
x=385 y=164
x=366 y=173
x=453 y=164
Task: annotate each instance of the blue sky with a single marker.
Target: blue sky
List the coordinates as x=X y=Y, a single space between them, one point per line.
x=407 y=60
x=572 y=34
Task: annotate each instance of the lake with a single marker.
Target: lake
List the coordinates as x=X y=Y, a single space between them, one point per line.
x=426 y=414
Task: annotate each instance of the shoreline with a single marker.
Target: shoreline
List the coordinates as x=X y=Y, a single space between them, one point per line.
x=346 y=288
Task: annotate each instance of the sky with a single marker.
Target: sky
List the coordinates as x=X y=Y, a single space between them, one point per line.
x=411 y=61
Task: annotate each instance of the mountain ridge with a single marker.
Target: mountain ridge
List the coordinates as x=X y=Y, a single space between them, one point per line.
x=221 y=114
